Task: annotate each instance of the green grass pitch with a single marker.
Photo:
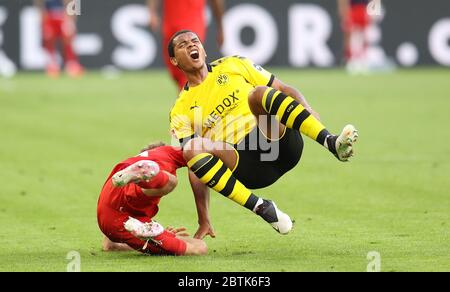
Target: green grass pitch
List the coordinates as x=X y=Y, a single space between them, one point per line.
x=60 y=139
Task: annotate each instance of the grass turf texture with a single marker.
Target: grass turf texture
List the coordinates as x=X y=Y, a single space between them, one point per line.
x=60 y=139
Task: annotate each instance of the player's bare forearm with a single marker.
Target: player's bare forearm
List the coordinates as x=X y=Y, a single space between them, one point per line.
x=201 y=195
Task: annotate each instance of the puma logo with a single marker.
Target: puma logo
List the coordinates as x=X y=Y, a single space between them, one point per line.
x=194 y=106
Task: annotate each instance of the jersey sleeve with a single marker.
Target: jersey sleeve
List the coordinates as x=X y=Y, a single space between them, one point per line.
x=253 y=73
x=181 y=125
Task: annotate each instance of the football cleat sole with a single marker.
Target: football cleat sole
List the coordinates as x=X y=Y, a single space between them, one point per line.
x=143 y=170
x=345 y=141
x=141 y=230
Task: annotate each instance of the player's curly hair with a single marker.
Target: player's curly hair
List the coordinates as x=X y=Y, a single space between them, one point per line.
x=153 y=146
x=171 y=47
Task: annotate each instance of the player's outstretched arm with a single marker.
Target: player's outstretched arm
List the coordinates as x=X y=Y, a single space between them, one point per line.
x=201 y=195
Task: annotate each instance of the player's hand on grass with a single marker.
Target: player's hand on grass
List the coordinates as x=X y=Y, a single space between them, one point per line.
x=180 y=231
x=204 y=230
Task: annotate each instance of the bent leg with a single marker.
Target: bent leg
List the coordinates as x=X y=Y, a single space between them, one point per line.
x=222 y=150
x=294 y=116
x=265 y=100
x=214 y=173
x=212 y=166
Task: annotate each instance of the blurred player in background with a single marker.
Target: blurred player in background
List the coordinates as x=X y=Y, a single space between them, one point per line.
x=184 y=14
x=57 y=25
x=129 y=200
x=354 y=24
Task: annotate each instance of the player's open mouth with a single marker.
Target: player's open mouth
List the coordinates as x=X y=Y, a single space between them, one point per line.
x=194 y=54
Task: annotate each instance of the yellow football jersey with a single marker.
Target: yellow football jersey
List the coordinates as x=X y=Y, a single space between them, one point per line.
x=218 y=107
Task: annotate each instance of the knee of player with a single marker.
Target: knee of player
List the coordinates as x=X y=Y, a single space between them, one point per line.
x=194 y=147
x=255 y=96
x=257 y=93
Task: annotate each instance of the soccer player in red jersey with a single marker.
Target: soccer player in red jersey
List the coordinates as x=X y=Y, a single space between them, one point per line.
x=129 y=200
x=58 y=25
x=183 y=14
x=354 y=23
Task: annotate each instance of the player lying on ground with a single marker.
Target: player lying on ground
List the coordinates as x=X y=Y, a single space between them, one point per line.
x=218 y=115
x=129 y=200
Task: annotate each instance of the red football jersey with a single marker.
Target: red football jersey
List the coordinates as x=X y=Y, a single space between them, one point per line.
x=130 y=198
x=183 y=13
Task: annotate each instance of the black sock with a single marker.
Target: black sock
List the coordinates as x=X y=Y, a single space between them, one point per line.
x=331 y=143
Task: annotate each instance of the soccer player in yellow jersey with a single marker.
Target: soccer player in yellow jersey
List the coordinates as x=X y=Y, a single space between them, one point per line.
x=240 y=129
